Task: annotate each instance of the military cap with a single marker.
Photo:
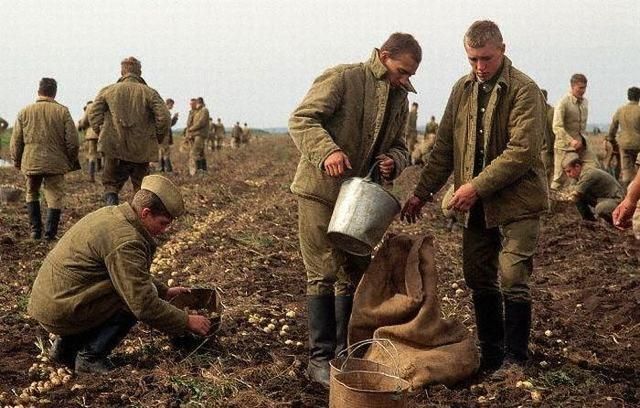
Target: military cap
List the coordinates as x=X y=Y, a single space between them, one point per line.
x=166 y=191
x=569 y=158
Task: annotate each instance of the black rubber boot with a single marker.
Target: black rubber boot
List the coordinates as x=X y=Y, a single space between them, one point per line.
x=162 y=165
x=51 y=225
x=92 y=354
x=490 y=329
x=517 y=325
x=111 y=198
x=35 y=219
x=343 y=305
x=322 y=337
x=99 y=163
x=168 y=166
x=64 y=350
x=585 y=211
x=204 y=164
x=92 y=171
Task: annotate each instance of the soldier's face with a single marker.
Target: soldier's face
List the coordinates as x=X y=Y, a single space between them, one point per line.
x=193 y=104
x=485 y=61
x=573 y=171
x=154 y=224
x=578 y=89
x=169 y=105
x=399 y=69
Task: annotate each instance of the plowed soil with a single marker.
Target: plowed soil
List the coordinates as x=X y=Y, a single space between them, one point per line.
x=240 y=234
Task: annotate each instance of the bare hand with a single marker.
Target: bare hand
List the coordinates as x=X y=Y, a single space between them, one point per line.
x=336 y=164
x=464 y=198
x=199 y=325
x=386 y=165
x=173 y=292
x=576 y=144
x=411 y=211
x=622 y=215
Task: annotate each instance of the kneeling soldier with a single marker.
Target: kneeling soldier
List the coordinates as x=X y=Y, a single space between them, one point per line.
x=95 y=284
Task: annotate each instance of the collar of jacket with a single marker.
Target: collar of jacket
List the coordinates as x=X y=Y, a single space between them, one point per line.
x=132 y=78
x=503 y=79
x=574 y=100
x=45 y=99
x=130 y=215
x=379 y=70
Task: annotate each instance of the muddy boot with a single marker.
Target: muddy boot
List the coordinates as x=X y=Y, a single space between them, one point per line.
x=168 y=165
x=63 y=351
x=490 y=329
x=35 y=219
x=93 y=354
x=51 y=225
x=204 y=165
x=585 y=211
x=322 y=337
x=343 y=306
x=111 y=198
x=99 y=163
x=517 y=326
x=162 y=165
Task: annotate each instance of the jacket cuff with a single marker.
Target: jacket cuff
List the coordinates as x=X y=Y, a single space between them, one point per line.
x=333 y=149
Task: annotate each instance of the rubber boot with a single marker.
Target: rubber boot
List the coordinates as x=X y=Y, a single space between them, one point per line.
x=92 y=354
x=92 y=171
x=64 y=350
x=343 y=305
x=204 y=165
x=585 y=211
x=162 y=164
x=51 y=225
x=517 y=325
x=35 y=219
x=322 y=337
x=168 y=166
x=490 y=329
x=99 y=163
x=111 y=198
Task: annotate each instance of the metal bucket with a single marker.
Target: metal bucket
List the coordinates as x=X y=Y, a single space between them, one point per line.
x=363 y=212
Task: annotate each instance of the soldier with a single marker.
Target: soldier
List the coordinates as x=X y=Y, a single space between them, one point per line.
x=167 y=141
x=627 y=118
x=546 y=153
x=211 y=140
x=219 y=134
x=432 y=127
x=570 y=128
x=91 y=138
x=412 y=127
x=490 y=137
x=131 y=119
x=44 y=145
x=236 y=135
x=334 y=143
x=594 y=188
x=246 y=134
x=198 y=131
x=95 y=283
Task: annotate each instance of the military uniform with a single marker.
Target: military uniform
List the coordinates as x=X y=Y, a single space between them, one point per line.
x=546 y=152
x=44 y=145
x=131 y=119
x=412 y=128
x=490 y=136
x=236 y=135
x=431 y=127
x=627 y=119
x=246 y=134
x=91 y=140
x=599 y=189
x=164 y=154
x=198 y=132
x=570 y=123
x=218 y=134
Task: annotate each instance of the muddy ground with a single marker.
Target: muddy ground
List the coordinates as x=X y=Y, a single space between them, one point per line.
x=240 y=234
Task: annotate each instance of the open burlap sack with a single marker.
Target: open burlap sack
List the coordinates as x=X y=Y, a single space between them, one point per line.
x=397 y=299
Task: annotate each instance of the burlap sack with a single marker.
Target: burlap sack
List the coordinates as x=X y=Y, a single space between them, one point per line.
x=397 y=299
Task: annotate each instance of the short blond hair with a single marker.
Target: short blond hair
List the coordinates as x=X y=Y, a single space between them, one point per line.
x=481 y=33
x=131 y=65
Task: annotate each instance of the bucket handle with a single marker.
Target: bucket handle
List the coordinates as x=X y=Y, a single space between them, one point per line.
x=372 y=175
x=349 y=351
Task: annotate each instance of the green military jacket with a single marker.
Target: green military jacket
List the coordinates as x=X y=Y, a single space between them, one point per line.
x=219 y=129
x=627 y=118
x=549 y=137
x=167 y=140
x=595 y=184
x=431 y=127
x=83 y=124
x=512 y=184
x=412 y=126
x=44 y=139
x=236 y=133
x=199 y=126
x=130 y=119
x=344 y=110
x=569 y=120
x=101 y=265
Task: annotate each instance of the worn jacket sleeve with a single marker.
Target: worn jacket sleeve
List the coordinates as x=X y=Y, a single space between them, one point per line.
x=200 y=121
x=558 y=124
x=71 y=138
x=16 y=145
x=398 y=150
x=613 y=129
x=440 y=161
x=83 y=123
x=161 y=115
x=525 y=139
x=306 y=122
x=127 y=266
x=96 y=112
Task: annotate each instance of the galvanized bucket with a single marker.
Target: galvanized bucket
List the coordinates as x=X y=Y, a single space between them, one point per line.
x=363 y=212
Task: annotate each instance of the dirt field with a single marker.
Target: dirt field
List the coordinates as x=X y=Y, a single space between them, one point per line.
x=240 y=234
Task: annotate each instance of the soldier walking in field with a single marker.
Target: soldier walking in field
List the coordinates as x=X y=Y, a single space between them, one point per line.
x=490 y=137
x=198 y=133
x=167 y=141
x=218 y=134
x=335 y=143
x=431 y=127
x=236 y=135
x=91 y=140
x=246 y=134
x=627 y=120
x=412 y=127
x=131 y=119
x=44 y=146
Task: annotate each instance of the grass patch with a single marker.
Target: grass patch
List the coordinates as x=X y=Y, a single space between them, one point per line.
x=202 y=392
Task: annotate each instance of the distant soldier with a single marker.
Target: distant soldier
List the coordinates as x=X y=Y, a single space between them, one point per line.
x=131 y=119
x=570 y=128
x=611 y=159
x=211 y=140
x=198 y=132
x=165 y=146
x=218 y=134
x=246 y=134
x=627 y=118
x=546 y=152
x=44 y=145
x=432 y=127
x=236 y=135
x=91 y=140
x=187 y=141
x=594 y=188
x=412 y=127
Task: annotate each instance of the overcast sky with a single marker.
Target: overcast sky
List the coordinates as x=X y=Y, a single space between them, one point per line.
x=254 y=60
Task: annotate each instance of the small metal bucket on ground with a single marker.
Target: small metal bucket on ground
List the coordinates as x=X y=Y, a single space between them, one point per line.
x=360 y=383
x=201 y=298
x=362 y=213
